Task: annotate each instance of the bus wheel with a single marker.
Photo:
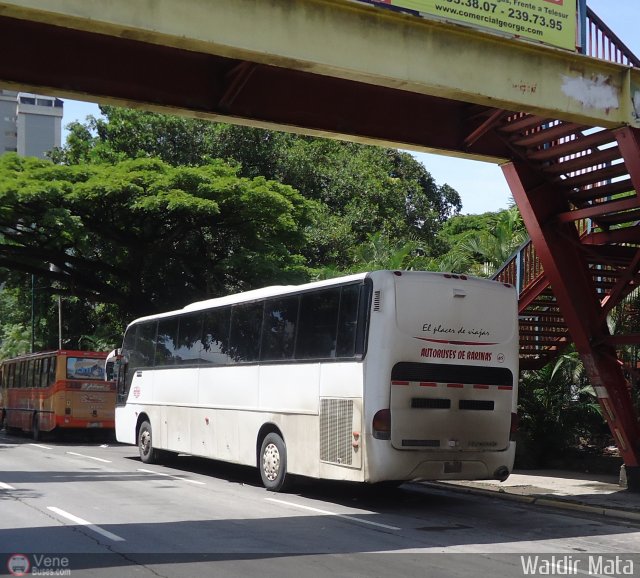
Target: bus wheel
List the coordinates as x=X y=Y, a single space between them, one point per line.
x=273 y=463
x=35 y=431
x=148 y=454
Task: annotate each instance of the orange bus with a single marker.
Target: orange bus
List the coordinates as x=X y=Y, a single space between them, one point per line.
x=65 y=389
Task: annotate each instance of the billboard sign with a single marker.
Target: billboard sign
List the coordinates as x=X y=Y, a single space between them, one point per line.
x=551 y=22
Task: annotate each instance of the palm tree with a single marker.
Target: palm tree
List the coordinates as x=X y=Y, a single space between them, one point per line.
x=483 y=252
x=379 y=252
x=558 y=409
x=495 y=246
x=625 y=319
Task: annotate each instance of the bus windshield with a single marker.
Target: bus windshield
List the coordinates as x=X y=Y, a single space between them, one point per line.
x=85 y=368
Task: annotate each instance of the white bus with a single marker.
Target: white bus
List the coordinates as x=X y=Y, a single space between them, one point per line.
x=376 y=377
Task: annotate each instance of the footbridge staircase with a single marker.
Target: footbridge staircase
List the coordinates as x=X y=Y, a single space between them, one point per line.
x=577 y=189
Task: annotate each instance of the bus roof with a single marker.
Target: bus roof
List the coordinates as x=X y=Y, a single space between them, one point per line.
x=67 y=352
x=276 y=290
x=254 y=295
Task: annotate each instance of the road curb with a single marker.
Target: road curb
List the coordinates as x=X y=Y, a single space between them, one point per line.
x=545 y=501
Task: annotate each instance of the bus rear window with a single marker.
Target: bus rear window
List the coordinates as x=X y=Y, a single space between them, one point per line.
x=85 y=368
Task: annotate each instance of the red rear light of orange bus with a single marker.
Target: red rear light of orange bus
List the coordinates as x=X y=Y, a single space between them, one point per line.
x=382 y=425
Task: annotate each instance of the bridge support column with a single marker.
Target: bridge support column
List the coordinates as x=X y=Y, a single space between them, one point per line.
x=557 y=245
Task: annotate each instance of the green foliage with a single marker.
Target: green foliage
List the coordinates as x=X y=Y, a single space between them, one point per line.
x=145 y=235
x=135 y=215
x=558 y=409
x=138 y=216
x=481 y=244
x=15 y=340
x=624 y=319
x=358 y=190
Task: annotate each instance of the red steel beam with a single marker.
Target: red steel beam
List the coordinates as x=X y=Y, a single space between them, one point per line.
x=626 y=235
x=629 y=144
x=567 y=271
x=598 y=209
x=532 y=291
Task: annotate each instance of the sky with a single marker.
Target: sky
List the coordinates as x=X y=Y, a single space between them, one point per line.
x=481 y=185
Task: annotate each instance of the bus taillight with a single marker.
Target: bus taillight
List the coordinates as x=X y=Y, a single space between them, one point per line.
x=382 y=425
x=515 y=422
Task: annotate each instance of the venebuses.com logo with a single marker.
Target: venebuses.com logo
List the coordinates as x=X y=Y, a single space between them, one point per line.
x=18 y=565
x=38 y=565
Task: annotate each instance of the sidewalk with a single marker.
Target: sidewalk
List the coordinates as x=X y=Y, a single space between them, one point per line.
x=589 y=493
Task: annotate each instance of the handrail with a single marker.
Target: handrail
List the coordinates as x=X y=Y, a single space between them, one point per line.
x=524 y=267
x=603 y=43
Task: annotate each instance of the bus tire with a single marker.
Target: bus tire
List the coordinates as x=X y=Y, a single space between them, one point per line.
x=273 y=463
x=148 y=454
x=35 y=428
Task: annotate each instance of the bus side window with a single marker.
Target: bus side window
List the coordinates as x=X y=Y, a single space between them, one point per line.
x=189 y=344
x=279 y=328
x=215 y=337
x=30 y=372
x=53 y=362
x=166 y=342
x=347 y=321
x=123 y=372
x=44 y=372
x=37 y=366
x=244 y=337
x=318 y=324
x=144 y=352
x=19 y=373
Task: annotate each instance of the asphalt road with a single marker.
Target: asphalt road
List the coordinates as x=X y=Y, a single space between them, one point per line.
x=93 y=509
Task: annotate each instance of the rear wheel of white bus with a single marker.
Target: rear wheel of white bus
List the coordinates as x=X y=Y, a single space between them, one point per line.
x=273 y=463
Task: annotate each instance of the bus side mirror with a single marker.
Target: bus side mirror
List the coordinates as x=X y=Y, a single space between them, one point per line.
x=111 y=365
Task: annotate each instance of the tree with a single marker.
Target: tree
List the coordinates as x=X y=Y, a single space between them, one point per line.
x=481 y=244
x=625 y=319
x=368 y=190
x=558 y=410
x=359 y=190
x=126 y=133
x=147 y=236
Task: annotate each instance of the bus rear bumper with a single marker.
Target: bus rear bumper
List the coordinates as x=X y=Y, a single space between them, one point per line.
x=486 y=466
x=432 y=466
x=68 y=422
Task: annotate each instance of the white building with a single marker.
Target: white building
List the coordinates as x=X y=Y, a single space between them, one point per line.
x=30 y=124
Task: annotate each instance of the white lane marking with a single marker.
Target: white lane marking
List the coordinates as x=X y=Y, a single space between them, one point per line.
x=327 y=513
x=4 y=486
x=89 y=525
x=174 y=477
x=41 y=446
x=89 y=457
